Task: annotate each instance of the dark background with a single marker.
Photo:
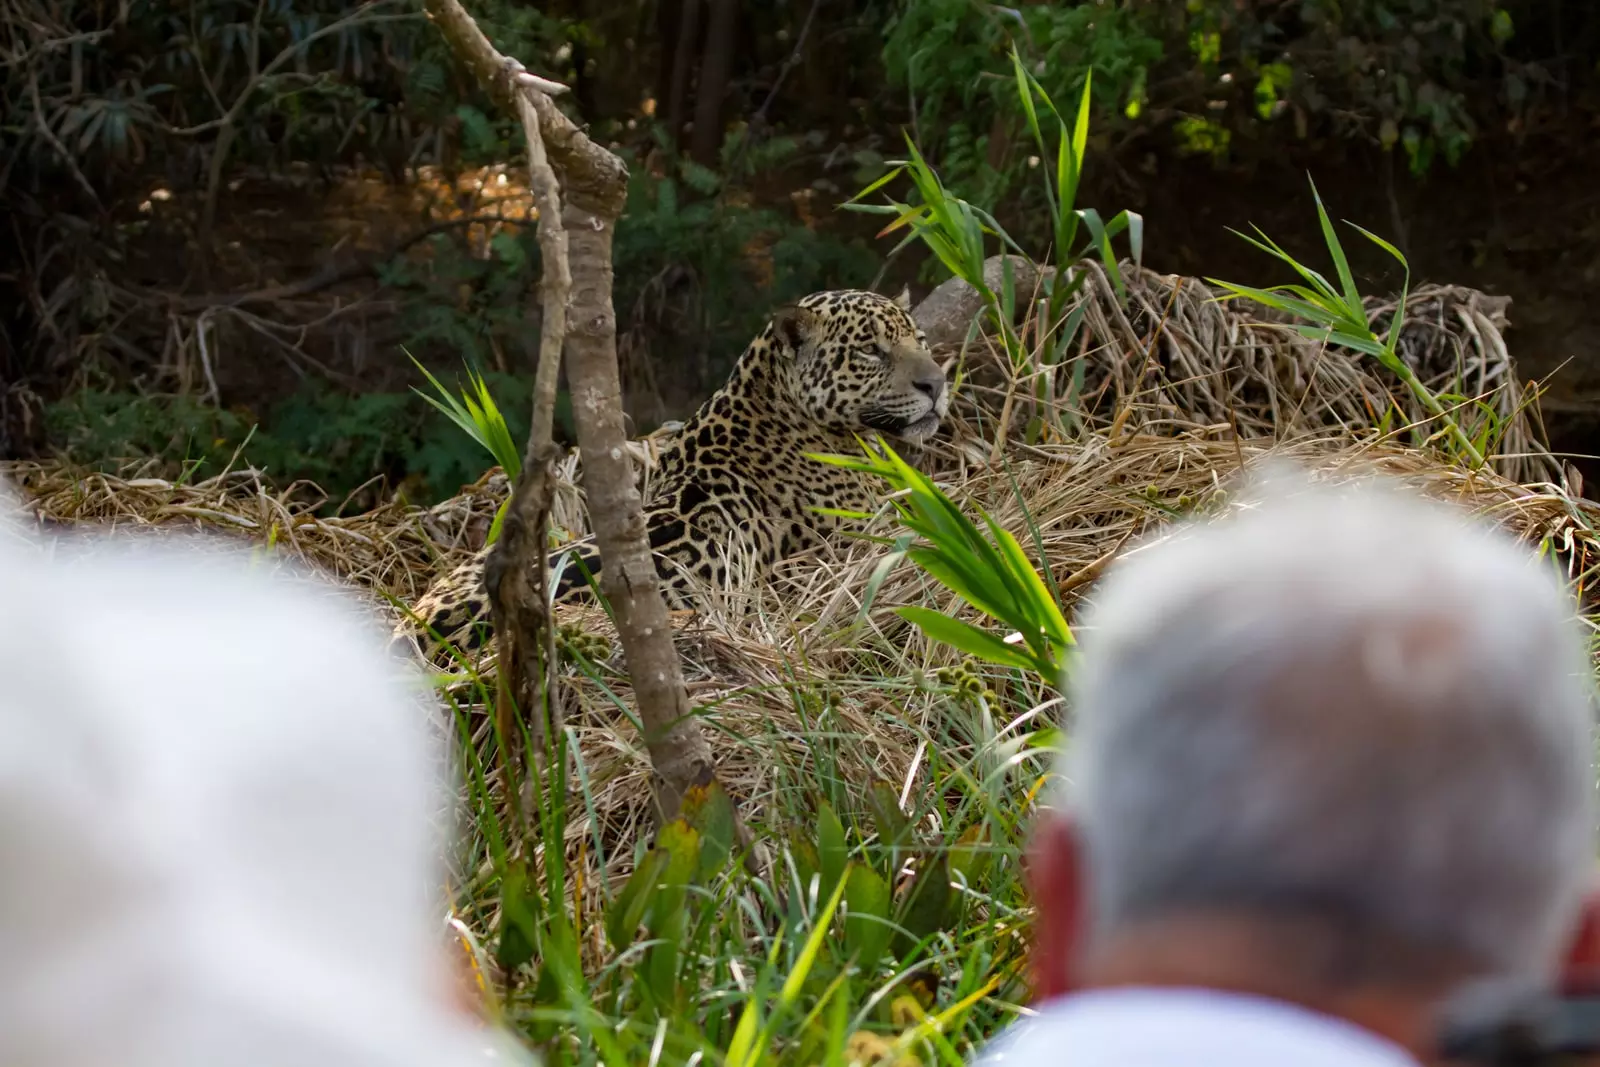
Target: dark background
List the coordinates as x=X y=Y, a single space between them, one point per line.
x=228 y=223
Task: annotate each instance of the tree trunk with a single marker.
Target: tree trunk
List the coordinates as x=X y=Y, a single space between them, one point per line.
x=681 y=66
x=716 y=67
x=595 y=187
x=678 y=751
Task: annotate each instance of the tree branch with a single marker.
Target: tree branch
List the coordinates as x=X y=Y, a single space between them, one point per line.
x=595 y=184
x=331 y=274
x=591 y=178
x=516 y=572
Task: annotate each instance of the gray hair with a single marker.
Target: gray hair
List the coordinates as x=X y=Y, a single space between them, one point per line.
x=1346 y=705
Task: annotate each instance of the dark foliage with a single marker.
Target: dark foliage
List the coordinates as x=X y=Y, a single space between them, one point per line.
x=225 y=218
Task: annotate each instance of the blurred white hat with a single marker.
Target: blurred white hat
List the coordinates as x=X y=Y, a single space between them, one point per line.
x=221 y=816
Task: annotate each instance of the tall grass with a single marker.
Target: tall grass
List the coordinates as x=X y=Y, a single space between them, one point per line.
x=480 y=418
x=983 y=565
x=887 y=926
x=1338 y=315
x=884 y=920
x=961 y=235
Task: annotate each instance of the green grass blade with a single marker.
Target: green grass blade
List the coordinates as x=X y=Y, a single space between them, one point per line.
x=875 y=186
x=1352 y=295
x=966 y=637
x=1025 y=94
x=1070 y=156
x=1273 y=299
x=1047 y=611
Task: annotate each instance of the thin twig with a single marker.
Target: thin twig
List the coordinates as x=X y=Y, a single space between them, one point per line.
x=56 y=146
x=594 y=191
x=517 y=575
x=759 y=119
x=557 y=276
x=331 y=275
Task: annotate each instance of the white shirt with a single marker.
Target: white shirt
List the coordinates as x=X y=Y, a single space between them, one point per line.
x=1146 y=1027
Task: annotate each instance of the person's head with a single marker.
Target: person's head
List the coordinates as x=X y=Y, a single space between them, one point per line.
x=1347 y=724
x=223 y=817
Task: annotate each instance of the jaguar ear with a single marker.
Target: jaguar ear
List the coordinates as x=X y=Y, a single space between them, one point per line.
x=902 y=300
x=793 y=326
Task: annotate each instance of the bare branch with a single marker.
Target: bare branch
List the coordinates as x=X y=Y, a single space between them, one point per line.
x=362 y=14
x=331 y=274
x=591 y=178
x=557 y=276
x=55 y=144
x=521 y=76
x=516 y=573
x=595 y=187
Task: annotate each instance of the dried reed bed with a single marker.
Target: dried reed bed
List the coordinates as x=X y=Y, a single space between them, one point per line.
x=1174 y=359
x=799 y=672
x=1182 y=397
x=394 y=549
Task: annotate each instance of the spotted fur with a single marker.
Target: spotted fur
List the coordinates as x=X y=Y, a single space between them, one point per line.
x=734 y=491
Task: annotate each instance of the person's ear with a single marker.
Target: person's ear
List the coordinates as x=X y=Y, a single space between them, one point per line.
x=794 y=327
x=1581 y=971
x=1058 y=884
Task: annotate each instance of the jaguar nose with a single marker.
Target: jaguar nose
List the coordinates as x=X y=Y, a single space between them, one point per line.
x=929 y=382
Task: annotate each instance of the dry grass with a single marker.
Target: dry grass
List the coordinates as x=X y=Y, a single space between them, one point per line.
x=866 y=678
x=1183 y=395
x=1174 y=360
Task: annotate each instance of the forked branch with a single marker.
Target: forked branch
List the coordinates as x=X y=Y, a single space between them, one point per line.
x=593 y=184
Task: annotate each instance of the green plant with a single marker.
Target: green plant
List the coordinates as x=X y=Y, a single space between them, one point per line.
x=957 y=233
x=866 y=930
x=700 y=265
x=1421 y=78
x=1338 y=316
x=473 y=306
x=951 y=57
x=356 y=448
x=984 y=566
x=477 y=415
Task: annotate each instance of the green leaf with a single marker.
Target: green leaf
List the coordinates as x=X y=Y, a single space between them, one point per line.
x=710 y=812
x=1318 y=282
x=498 y=522
x=742 y=1049
x=926 y=906
x=893 y=827
x=1080 y=143
x=1269 y=298
x=875 y=186
x=1352 y=295
x=866 y=926
x=1135 y=223
x=986 y=588
x=833 y=854
x=519 y=928
x=807 y=860
x=665 y=917
x=627 y=910
x=1025 y=94
x=966 y=638
x=1102 y=242
x=1045 y=610
x=970 y=855
x=1066 y=217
